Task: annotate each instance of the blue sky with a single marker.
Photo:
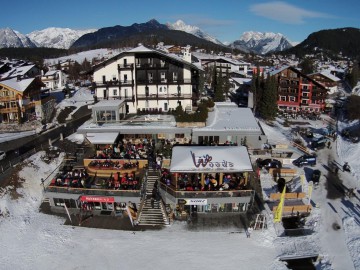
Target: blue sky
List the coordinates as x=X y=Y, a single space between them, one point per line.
x=225 y=20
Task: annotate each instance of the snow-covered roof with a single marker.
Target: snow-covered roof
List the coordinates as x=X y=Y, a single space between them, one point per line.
x=276 y=71
x=328 y=75
x=102 y=138
x=18 y=71
x=242 y=80
x=228 y=117
x=21 y=85
x=140 y=48
x=103 y=104
x=204 y=56
x=51 y=72
x=209 y=159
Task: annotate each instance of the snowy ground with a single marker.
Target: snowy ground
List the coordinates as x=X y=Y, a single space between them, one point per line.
x=32 y=240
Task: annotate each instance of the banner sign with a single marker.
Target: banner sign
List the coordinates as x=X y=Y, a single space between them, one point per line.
x=97 y=199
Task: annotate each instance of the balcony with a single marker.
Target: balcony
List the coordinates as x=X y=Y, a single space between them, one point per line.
x=164 y=96
x=126 y=83
x=125 y=66
x=163 y=81
x=87 y=191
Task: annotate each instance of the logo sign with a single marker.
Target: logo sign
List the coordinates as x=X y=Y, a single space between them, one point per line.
x=206 y=161
x=196 y=202
x=97 y=199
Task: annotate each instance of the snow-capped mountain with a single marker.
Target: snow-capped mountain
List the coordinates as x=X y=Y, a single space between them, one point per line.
x=194 y=30
x=11 y=38
x=53 y=37
x=262 y=43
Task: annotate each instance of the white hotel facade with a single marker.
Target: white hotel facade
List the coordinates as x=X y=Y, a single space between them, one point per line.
x=148 y=80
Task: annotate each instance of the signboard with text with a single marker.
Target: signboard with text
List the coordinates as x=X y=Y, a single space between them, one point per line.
x=196 y=202
x=97 y=199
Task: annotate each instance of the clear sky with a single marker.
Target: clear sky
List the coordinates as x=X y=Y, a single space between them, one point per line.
x=224 y=19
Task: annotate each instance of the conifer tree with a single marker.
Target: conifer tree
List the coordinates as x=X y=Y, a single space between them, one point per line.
x=219 y=88
x=268 y=103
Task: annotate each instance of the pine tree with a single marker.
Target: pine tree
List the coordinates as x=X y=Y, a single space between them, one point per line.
x=219 y=88
x=268 y=103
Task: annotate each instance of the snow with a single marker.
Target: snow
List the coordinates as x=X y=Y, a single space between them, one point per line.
x=55 y=37
x=33 y=240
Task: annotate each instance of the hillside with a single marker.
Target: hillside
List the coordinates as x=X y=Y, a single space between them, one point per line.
x=332 y=42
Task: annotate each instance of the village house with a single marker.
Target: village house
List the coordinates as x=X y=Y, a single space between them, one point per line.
x=54 y=79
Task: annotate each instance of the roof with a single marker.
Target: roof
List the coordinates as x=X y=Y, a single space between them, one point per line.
x=103 y=104
x=20 y=86
x=276 y=71
x=210 y=159
x=242 y=80
x=204 y=56
x=18 y=71
x=327 y=75
x=228 y=117
x=143 y=49
x=102 y=138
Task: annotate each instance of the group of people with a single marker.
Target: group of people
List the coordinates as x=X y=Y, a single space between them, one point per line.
x=77 y=178
x=192 y=182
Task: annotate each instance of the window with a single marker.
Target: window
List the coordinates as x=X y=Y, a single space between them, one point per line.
x=104 y=79
x=126 y=93
x=160 y=89
x=162 y=76
x=283 y=98
x=293 y=99
x=175 y=76
x=150 y=77
x=114 y=77
x=146 y=91
x=179 y=90
x=114 y=92
x=125 y=78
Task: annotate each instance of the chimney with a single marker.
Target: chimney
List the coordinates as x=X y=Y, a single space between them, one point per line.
x=18 y=78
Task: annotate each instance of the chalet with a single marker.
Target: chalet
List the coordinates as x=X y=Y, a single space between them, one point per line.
x=298 y=92
x=148 y=79
x=20 y=99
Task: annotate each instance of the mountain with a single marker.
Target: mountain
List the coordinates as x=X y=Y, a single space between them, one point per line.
x=61 y=38
x=104 y=35
x=194 y=30
x=345 y=41
x=10 y=38
x=149 y=33
x=261 y=43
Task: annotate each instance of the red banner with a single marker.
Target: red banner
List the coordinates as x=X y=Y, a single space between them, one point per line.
x=97 y=199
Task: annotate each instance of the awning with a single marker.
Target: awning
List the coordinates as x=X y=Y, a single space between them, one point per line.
x=193 y=159
x=102 y=138
x=97 y=199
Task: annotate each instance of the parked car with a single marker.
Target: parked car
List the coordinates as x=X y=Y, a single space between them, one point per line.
x=319 y=144
x=2 y=155
x=268 y=163
x=305 y=160
x=315 y=177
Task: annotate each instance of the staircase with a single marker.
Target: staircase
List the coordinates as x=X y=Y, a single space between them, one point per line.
x=153 y=215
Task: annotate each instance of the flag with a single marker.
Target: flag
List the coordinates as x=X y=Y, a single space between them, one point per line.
x=279 y=209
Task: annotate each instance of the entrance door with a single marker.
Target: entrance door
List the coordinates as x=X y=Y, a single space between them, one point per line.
x=105 y=96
